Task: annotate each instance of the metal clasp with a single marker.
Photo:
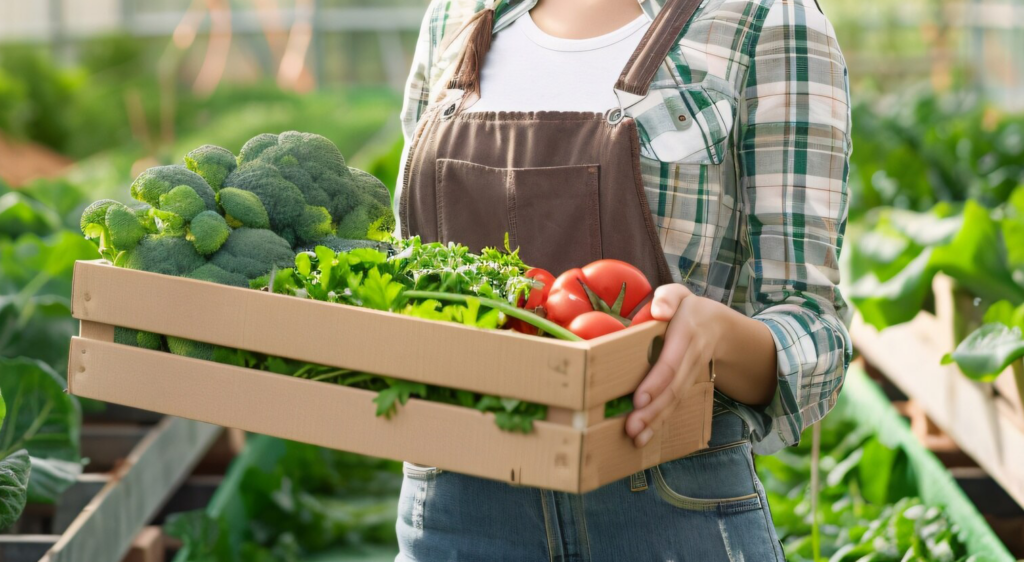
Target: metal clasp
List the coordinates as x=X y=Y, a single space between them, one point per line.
x=626 y=101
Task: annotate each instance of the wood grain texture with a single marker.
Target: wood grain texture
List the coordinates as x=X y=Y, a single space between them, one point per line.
x=616 y=363
x=450 y=437
x=609 y=454
x=504 y=363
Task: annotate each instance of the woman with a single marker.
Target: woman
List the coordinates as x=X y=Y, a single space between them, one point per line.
x=707 y=143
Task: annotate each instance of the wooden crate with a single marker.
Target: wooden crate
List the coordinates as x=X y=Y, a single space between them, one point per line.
x=574 y=450
x=985 y=423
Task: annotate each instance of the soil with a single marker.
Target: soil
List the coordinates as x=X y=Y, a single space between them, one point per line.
x=21 y=162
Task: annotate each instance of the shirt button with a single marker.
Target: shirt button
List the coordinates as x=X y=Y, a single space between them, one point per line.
x=682 y=118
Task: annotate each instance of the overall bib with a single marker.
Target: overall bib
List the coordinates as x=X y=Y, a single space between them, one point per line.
x=567 y=189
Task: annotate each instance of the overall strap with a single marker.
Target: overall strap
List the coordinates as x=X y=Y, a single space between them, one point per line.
x=642 y=65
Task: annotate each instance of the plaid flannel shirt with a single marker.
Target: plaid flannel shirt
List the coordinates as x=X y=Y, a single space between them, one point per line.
x=748 y=192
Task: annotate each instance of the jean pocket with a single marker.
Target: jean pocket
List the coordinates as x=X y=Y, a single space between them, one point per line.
x=719 y=480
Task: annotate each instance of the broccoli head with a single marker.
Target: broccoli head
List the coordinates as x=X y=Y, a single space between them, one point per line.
x=211 y=162
x=190 y=348
x=255 y=146
x=138 y=338
x=164 y=254
x=252 y=252
x=213 y=274
x=314 y=224
x=96 y=215
x=124 y=227
x=183 y=201
x=242 y=208
x=208 y=232
x=370 y=216
x=154 y=182
x=283 y=201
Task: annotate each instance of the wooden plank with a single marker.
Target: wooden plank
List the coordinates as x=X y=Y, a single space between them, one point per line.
x=74 y=499
x=428 y=433
x=95 y=331
x=983 y=426
x=105 y=529
x=148 y=546
x=497 y=362
x=609 y=454
x=618 y=362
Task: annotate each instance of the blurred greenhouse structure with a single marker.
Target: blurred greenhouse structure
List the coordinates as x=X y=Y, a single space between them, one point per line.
x=94 y=92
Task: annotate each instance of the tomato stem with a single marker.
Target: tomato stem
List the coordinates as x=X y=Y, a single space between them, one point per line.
x=510 y=310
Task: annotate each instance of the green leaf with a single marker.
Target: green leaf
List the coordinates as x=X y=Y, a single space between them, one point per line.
x=988 y=351
x=42 y=419
x=15 y=470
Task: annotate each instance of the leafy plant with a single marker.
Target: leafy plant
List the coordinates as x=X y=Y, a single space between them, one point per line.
x=866 y=508
x=44 y=421
x=14 y=474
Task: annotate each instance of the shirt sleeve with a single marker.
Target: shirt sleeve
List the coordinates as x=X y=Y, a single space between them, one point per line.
x=794 y=149
x=417 y=94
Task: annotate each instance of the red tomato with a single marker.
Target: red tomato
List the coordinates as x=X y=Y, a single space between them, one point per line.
x=521 y=327
x=539 y=296
x=570 y=282
x=606 y=277
x=593 y=324
x=563 y=306
x=642 y=315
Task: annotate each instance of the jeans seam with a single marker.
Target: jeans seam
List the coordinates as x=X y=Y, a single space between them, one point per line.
x=545 y=508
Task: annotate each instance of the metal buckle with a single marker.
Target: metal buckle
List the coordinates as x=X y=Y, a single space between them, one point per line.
x=626 y=101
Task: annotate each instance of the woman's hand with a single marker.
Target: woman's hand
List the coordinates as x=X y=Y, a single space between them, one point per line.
x=744 y=362
x=685 y=359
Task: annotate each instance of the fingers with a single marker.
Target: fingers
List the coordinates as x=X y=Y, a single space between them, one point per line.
x=666 y=301
x=641 y=423
x=677 y=341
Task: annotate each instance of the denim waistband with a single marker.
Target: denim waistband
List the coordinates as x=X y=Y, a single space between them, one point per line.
x=727 y=427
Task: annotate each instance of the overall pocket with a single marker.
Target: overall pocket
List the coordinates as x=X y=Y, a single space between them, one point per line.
x=552 y=214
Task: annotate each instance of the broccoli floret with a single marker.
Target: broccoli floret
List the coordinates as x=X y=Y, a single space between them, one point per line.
x=154 y=182
x=252 y=252
x=214 y=274
x=208 y=232
x=211 y=162
x=164 y=254
x=255 y=146
x=314 y=225
x=183 y=201
x=283 y=201
x=96 y=215
x=190 y=348
x=124 y=227
x=369 y=221
x=242 y=208
x=138 y=338
x=366 y=181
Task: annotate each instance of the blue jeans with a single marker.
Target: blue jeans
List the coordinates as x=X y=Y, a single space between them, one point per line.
x=707 y=507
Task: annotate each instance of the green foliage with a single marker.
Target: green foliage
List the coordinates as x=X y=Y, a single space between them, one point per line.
x=867 y=508
x=124 y=227
x=15 y=470
x=43 y=420
x=21 y=214
x=242 y=208
x=209 y=231
x=989 y=350
x=214 y=274
x=288 y=501
x=211 y=162
x=189 y=348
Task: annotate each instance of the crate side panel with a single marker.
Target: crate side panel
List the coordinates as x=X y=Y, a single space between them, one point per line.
x=450 y=437
x=609 y=454
x=616 y=363
x=443 y=353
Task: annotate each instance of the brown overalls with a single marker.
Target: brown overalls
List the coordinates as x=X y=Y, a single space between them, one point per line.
x=565 y=185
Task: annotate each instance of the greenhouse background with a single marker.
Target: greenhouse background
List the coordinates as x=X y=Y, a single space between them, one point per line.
x=922 y=460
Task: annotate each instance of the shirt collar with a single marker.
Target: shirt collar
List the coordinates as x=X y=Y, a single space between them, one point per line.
x=508 y=11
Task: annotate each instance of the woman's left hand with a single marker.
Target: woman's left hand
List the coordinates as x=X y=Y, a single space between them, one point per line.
x=685 y=359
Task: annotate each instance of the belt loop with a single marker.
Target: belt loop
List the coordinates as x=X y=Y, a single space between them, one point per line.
x=638 y=481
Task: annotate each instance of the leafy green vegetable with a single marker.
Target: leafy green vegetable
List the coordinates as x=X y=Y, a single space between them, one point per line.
x=45 y=421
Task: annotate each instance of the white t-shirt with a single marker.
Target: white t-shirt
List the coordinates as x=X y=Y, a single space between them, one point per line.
x=529 y=70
